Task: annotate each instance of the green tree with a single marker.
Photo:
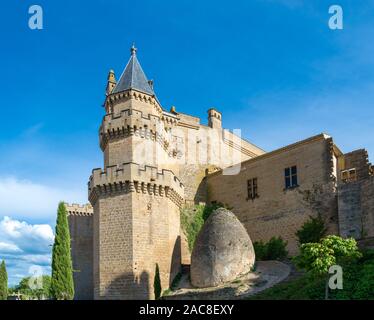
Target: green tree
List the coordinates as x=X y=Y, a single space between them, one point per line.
x=157 y=283
x=317 y=258
x=312 y=230
x=62 y=286
x=3 y=282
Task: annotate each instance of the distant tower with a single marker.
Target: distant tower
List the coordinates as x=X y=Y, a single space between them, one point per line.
x=214 y=119
x=136 y=220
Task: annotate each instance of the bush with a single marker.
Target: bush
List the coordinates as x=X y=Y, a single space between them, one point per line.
x=260 y=250
x=312 y=230
x=275 y=249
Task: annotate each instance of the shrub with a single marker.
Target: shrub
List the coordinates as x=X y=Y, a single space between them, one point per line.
x=260 y=250
x=157 y=283
x=312 y=230
x=275 y=249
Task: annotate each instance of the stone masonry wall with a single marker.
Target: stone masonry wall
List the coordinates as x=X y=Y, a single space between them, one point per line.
x=113 y=248
x=81 y=234
x=367 y=205
x=355 y=198
x=350 y=212
x=279 y=211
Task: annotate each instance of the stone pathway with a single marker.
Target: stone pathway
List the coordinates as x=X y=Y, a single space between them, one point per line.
x=266 y=275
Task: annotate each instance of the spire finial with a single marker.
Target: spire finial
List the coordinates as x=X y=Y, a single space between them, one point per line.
x=133 y=49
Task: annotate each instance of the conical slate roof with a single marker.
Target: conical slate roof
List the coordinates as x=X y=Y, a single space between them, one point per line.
x=133 y=77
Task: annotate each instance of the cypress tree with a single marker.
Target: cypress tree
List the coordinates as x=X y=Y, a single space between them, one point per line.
x=62 y=286
x=3 y=282
x=157 y=283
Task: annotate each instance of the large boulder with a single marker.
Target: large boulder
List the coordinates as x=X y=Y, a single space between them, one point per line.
x=222 y=251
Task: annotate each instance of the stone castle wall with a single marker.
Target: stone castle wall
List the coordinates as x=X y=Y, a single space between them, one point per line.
x=278 y=211
x=356 y=198
x=136 y=226
x=80 y=219
x=156 y=161
x=367 y=206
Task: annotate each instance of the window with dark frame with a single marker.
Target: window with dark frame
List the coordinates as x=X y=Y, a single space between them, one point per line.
x=290 y=175
x=252 y=189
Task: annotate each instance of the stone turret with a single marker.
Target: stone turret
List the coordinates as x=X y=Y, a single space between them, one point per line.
x=214 y=119
x=111 y=83
x=135 y=199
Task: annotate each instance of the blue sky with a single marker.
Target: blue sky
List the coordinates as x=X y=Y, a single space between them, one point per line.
x=273 y=67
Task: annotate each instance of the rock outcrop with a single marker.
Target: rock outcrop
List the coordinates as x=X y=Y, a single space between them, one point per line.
x=222 y=251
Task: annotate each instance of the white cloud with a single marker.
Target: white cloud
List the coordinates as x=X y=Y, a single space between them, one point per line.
x=24 y=245
x=25 y=199
x=28 y=238
x=9 y=247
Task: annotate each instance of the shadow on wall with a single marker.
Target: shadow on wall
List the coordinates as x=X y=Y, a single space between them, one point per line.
x=201 y=192
x=129 y=287
x=176 y=260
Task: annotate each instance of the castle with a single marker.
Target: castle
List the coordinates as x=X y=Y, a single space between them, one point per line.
x=156 y=162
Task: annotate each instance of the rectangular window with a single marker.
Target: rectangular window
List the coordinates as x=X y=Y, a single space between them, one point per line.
x=252 y=188
x=290 y=175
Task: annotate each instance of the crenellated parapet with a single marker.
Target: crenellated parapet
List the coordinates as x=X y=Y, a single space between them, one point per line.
x=131 y=177
x=134 y=122
x=79 y=210
x=123 y=96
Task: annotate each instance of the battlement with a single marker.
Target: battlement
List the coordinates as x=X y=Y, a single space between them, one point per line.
x=132 y=121
x=131 y=177
x=115 y=98
x=75 y=209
